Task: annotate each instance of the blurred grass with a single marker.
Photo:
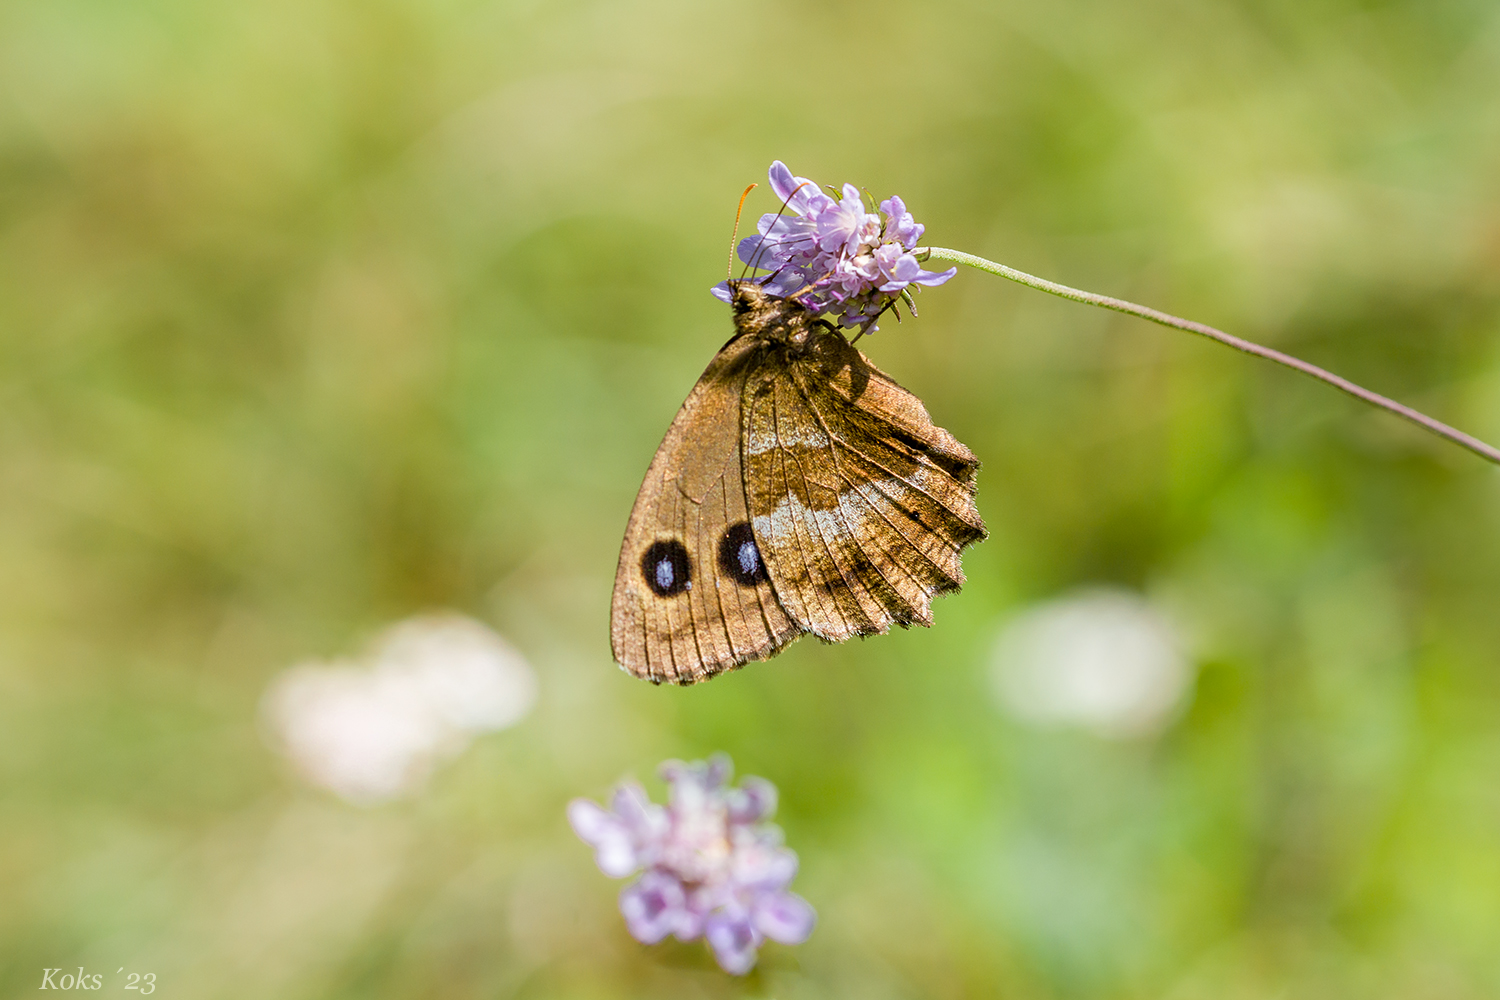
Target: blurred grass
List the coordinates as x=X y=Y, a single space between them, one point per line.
x=316 y=315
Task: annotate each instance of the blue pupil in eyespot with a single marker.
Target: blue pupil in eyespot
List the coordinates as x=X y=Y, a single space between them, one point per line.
x=666 y=568
x=739 y=556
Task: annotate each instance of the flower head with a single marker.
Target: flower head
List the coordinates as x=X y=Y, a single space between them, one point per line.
x=713 y=866
x=834 y=254
x=1104 y=660
x=374 y=729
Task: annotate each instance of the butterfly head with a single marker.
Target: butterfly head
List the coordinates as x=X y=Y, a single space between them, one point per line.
x=747 y=295
x=759 y=313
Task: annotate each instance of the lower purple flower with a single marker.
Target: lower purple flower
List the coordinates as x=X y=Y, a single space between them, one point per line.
x=713 y=866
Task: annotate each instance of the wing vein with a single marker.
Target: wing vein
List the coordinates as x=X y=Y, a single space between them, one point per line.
x=860 y=537
x=810 y=520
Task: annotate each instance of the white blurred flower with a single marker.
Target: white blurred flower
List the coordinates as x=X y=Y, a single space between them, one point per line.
x=1099 y=659
x=373 y=731
x=467 y=674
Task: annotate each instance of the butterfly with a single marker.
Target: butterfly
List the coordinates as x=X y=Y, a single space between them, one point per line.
x=799 y=489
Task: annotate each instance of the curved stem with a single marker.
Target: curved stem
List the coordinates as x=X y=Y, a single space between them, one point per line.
x=1422 y=420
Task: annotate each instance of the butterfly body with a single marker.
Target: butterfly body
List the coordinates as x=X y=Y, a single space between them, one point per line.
x=798 y=490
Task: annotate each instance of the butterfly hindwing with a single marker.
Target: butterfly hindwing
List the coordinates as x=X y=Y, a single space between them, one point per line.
x=917 y=470
x=861 y=505
x=793 y=497
x=689 y=600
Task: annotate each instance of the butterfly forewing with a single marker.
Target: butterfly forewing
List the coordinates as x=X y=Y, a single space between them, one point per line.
x=680 y=613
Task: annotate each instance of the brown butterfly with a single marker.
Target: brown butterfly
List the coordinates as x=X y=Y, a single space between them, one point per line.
x=799 y=489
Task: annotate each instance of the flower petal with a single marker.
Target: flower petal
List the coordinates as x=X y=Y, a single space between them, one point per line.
x=934 y=277
x=652 y=906
x=644 y=819
x=734 y=940
x=718 y=771
x=763 y=865
x=783 y=183
x=900 y=226
x=798 y=193
x=753 y=801
x=785 y=917
x=613 y=843
x=590 y=821
x=788 y=282
x=906 y=268
x=701 y=901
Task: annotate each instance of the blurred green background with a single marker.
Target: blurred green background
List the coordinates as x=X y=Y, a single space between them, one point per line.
x=316 y=315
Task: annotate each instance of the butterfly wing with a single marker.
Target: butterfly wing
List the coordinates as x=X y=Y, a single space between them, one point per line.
x=690 y=600
x=860 y=504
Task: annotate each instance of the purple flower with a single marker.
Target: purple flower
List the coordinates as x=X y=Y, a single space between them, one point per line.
x=835 y=255
x=713 y=866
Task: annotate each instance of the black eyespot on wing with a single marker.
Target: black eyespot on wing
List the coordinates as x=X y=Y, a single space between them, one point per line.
x=739 y=556
x=666 y=569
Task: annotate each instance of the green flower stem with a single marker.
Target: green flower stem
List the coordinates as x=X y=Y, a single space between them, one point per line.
x=1422 y=420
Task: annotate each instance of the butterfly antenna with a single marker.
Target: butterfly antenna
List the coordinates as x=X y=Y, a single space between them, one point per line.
x=736 y=235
